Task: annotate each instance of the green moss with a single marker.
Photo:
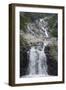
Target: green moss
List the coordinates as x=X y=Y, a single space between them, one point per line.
x=23 y=21
x=31 y=17
x=52 y=24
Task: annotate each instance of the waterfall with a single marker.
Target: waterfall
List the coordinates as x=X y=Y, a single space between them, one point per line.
x=37 y=56
x=37 y=61
x=42 y=65
x=46 y=33
x=33 y=60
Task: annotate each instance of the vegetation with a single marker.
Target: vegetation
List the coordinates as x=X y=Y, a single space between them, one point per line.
x=52 y=24
x=52 y=20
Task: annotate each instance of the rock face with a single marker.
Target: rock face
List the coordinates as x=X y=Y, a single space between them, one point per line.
x=51 y=61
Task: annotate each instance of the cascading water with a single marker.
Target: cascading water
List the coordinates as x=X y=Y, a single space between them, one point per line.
x=37 y=57
x=38 y=61
x=33 y=60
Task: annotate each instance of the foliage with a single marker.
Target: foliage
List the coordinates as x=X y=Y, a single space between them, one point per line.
x=53 y=26
x=31 y=17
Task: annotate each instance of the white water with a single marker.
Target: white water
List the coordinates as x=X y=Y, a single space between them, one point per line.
x=33 y=60
x=38 y=61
